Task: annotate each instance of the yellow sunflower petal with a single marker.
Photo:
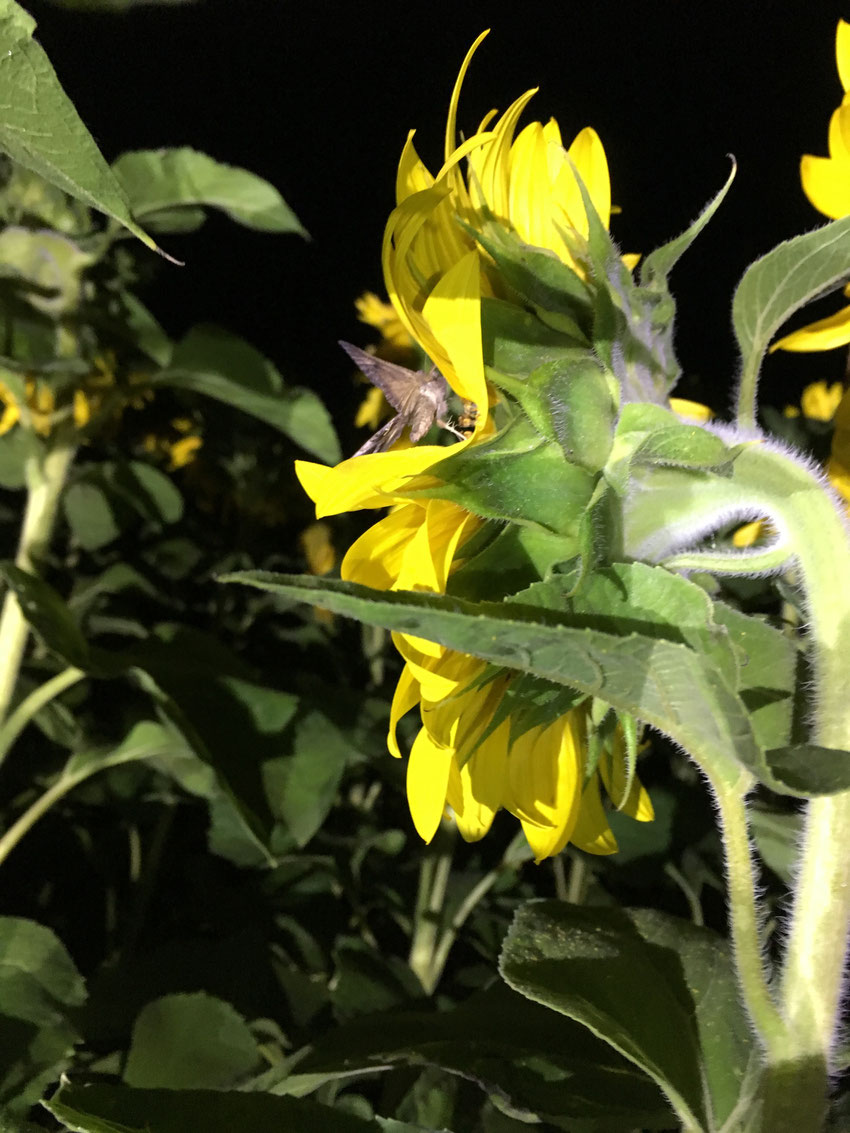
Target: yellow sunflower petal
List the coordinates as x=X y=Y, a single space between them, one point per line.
x=690 y=410
x=826 y=182
x=405 y=697
x=427 y=781
x=592 y=832
x=842 y=52
x=839 y=133
x=453 y=312
x=475 y=789
x=412 y=175
x=588 y=155
x=825 y=334
x=839 y=476
x=374 y=480
x=749 y=534
x=376 y=558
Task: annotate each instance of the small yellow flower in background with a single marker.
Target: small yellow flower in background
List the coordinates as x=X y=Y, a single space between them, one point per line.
x=11 y=411
x=750 y=534
x=819 y=401
x=179 y=451
x=373 y=409
x=377 y=313
x=318 y=548
x=317 y=544
x=826 y=182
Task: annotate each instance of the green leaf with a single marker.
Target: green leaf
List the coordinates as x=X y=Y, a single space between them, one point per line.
x=655 y=267
x=687 y=694
x=311 y=776
x=173 y=179
x=516 y=342
x=48 y=615
x=777 y=838
x=809 y=770
x=519 y=477
x=367 y=980
x=540 y=1065
x=780 y=283
x=506 y=559
x=662 y=992
x=219 y=365
x=38 y=973
x=190 y=1042
x=537 y=275
x=101 y=1108
x=41 y=130
x=88 y=512
x=105 y=499
x=39 y=986
x=145 y=740
x=632 y=325
x=15 y=448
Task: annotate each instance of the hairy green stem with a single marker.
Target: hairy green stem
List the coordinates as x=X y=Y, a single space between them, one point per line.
x=434 y=875
x=46 y=473
x=742 y=884
x=31 y=705
x=813 y=534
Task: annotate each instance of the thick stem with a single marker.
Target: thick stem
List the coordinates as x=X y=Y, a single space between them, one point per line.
x=813 y=533
x=434 y=875
x=46 y=474
x=742 y=884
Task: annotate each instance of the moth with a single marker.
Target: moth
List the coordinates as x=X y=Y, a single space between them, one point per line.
x=418 y=398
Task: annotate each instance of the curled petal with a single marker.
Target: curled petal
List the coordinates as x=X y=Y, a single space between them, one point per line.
x=405 y=697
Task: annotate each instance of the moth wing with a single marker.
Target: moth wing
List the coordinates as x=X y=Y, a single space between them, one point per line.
x=386 y=436
x=395 y=382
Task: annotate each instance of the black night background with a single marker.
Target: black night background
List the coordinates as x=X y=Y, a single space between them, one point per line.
x=318 y=99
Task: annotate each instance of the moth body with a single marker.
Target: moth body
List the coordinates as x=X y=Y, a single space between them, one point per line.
x=419 y=399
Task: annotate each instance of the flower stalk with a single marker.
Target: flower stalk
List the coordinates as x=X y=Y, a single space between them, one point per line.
x=46 y=473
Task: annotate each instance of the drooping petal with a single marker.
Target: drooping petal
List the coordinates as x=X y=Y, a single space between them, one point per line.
x=636 y=802
x=475 y=789
x=405 y=697
x=427 y=782
x=592 y=832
